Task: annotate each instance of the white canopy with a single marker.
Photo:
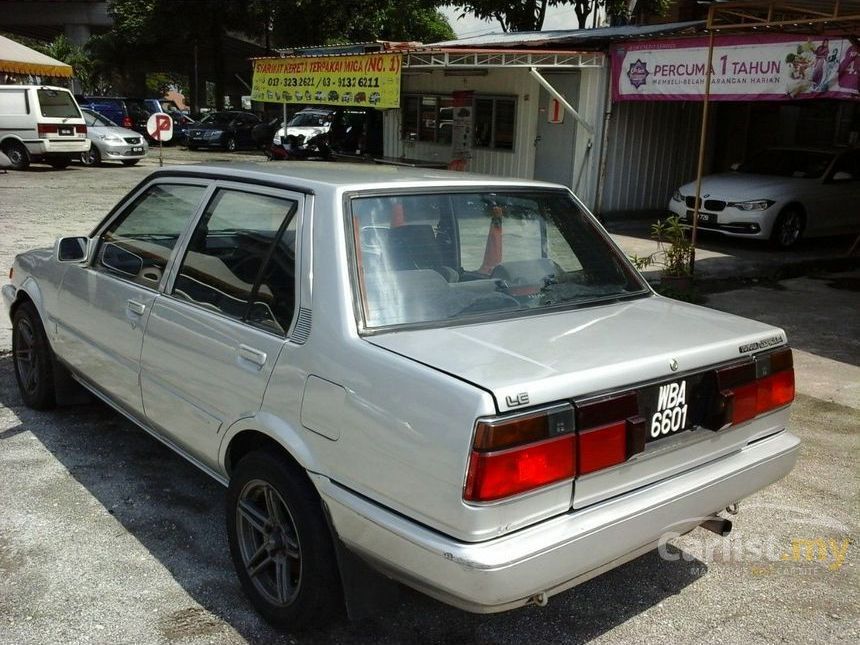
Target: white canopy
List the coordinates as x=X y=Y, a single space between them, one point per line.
x=15 y=58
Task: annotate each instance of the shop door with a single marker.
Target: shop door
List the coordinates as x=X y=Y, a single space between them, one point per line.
x=554 y=144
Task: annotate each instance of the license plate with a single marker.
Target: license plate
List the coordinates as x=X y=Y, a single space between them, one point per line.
x=65 y=132
x=673 y=407
x=704 y=218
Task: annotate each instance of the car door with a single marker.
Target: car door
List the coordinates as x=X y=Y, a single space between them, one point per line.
x=213 y=337
x=103 y=306
x=843 y=193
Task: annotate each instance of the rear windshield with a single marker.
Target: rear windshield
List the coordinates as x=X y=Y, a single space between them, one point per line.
x=58 y=104
x=309 y=119
x=448 y=257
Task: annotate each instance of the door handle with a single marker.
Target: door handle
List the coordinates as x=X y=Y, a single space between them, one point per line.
x=136 y=307
x=255 y=356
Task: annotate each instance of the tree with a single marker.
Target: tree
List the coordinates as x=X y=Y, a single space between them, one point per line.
x=513 y=15
x=303 y=23
x=85 y=69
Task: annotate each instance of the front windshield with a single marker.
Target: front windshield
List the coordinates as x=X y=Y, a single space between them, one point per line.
x=95 y=119
x=218 y=118
x=788 y=163
x=308 y=120
x=450 y=256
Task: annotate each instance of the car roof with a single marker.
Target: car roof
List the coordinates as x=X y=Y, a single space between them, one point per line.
x=320 y=177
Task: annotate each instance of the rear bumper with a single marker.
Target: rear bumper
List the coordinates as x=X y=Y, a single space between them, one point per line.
x=58 y=147
x=559 y=553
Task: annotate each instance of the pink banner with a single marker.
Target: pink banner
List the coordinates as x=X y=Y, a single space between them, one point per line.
x=744 y=68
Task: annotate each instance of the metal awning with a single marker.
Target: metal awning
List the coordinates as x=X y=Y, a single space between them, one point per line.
x=500 y=58
x=840 y=17
x=795 y=16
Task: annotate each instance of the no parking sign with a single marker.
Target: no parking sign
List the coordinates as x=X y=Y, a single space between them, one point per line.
x=159 y=126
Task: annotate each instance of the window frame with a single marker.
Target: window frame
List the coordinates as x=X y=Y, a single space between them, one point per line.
x=495 y=98
x=122 y=209
x=281 y=193
x=356 y=292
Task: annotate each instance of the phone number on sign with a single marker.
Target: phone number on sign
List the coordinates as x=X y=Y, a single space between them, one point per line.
x=324 y=81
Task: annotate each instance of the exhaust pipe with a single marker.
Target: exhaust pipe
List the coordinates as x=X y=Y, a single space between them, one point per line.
x=719 y=525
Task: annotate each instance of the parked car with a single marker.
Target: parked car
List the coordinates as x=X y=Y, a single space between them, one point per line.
x=457 y=380
x=306 y=123
x=781 y=195
x=227 y=130
x=111 y=142
x=126 y=112
x=181 y=122
x=40 y=123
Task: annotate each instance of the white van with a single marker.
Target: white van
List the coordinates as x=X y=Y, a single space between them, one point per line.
x=40 y=123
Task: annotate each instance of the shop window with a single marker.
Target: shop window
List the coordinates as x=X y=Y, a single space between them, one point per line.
x=428 y=118
x=494 y=123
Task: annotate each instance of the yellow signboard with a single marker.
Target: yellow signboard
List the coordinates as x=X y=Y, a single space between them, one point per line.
x=364 y=80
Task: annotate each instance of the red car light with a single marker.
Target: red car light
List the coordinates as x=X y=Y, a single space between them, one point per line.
x=80 y=129
x=46 y=128
x=609 y=432
x=757 y=386
x=494 y=475
x=127 y=122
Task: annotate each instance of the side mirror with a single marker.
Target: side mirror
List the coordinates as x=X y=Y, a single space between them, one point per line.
x=842 y=176
x=735 y=165
x=119 y=259
x=72 y=249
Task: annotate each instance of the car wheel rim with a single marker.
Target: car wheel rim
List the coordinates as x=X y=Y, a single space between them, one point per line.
x=90 y=158
x=15 y=156
x=25 y=356
x=231 y=145
x=790 y=230
x=269 y=543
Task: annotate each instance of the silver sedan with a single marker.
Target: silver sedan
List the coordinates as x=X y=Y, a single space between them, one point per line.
x=110 y=142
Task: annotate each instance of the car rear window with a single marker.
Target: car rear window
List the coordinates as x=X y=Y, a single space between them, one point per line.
x=58 y=104
x=442 y=258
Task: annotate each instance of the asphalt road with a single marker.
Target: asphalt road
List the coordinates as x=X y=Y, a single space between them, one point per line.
x=108 y=537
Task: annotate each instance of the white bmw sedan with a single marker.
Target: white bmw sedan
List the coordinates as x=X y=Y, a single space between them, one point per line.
x=781 y=195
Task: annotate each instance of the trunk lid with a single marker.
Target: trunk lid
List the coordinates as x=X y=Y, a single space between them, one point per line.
x=573 y=355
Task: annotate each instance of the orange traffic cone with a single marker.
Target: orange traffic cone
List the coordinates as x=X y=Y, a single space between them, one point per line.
x=493 y=250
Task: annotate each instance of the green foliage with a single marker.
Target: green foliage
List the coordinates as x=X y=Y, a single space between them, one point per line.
x=674 y=251
x=303 y=23
x=513 y=15
x=85 y=68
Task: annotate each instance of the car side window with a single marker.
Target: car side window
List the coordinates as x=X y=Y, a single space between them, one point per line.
x=223 y=269
x=137 y=245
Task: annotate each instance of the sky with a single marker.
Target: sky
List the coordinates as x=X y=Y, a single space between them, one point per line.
x=560 y=17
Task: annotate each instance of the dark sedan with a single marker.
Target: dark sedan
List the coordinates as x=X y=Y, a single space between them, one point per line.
x=226 y=130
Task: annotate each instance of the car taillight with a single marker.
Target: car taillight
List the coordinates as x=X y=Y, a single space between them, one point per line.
x=757 y=386
x=521 y=453
x=609 y=431
x=46 y=128
x=126 y=122
x=80 y=129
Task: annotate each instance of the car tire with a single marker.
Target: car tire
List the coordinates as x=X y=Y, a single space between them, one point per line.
x=230 y=146
x=32 y=358
x=91 y=157
x=18 y=155
x=60 y=163
x=130 y=162
x=788 y=228
x=280 y=542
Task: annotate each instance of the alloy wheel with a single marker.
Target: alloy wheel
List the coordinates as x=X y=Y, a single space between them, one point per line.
x=26 y=360
x=789 y=230
x=269 y=543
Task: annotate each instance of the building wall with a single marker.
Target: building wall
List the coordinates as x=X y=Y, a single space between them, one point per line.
x=653 y=149
x=519 y=162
